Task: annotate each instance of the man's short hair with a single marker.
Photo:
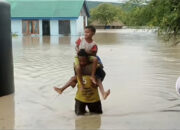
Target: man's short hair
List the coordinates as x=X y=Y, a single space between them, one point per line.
x=82 y=52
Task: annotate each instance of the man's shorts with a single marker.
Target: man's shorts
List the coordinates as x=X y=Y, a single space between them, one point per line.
x=100 y=73
x=80 y=107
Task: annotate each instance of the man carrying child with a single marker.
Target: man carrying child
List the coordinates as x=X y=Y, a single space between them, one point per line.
x=97 y=75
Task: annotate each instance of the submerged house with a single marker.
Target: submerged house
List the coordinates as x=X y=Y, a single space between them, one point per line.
x=48 y=17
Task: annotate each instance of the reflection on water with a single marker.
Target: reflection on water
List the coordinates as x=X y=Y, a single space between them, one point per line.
x=7 y=114
x=46 y=40
x=34 y=41
x=88 y=122
x=30 y=41
x=141 y=73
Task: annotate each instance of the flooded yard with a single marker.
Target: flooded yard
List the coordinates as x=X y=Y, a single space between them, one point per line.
x=141 y=73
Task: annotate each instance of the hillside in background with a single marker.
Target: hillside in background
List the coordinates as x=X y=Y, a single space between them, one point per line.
x=93 y=4
x=124 y=6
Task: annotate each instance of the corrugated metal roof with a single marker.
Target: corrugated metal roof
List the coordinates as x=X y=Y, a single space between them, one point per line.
x=45 y=8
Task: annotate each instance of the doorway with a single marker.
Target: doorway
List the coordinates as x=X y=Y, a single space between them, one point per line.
x=46 y=27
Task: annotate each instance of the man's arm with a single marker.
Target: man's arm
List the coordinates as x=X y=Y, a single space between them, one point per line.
x=78 y=71
x=79 y=75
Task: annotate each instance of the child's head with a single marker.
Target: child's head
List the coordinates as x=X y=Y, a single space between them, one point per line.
x=83 y=57
x=89 y=31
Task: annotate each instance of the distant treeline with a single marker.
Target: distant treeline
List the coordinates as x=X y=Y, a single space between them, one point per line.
x=162 y=14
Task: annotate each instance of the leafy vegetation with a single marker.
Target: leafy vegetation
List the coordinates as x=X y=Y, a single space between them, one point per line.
x=105 y=14
x=162 y=14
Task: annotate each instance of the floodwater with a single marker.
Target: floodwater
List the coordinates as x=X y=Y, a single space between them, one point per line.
x=141 y=73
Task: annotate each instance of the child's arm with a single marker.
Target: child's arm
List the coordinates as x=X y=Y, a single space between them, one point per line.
x=93 y=51
x=78 y=42
x=77 y=48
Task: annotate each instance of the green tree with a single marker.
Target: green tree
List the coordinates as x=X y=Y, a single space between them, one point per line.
x=105 y=14
x=164 y=14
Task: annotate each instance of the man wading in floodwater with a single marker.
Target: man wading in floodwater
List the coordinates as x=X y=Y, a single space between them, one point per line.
x=86 y=95
x=88 y=44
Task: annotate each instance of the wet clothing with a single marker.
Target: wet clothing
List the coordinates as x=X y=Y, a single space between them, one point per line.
x=81 y=43
x=80 y=107
x=100 y=73
x=100 y=62
x=89 y=94
x=76 y=60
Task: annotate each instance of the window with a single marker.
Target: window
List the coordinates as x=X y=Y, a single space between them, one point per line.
x=64 y=27
x=30 y=27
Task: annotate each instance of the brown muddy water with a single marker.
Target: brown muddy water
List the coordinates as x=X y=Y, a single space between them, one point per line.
x=141 y=73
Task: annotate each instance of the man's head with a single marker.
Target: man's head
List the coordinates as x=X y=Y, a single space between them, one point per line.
x=83 y=57
x=89 y=31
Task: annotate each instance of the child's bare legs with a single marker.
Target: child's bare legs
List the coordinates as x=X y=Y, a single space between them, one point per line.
x=104 y=94
x=93 y=79
x=79 y=76
x=94 y=67
x=72 y=82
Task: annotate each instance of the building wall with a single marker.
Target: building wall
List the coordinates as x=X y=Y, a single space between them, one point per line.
x=86 y=18
x=16 y=27
x=54 y=27
x=40 y=28
x=73 y=24
x=76 y=26
x=80 y=25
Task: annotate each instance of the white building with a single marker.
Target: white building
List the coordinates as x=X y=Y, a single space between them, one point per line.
x=48 y=17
